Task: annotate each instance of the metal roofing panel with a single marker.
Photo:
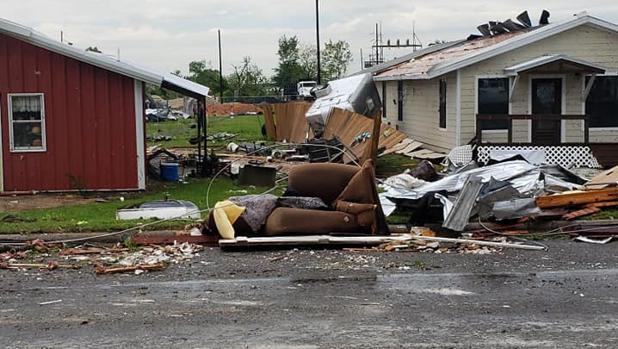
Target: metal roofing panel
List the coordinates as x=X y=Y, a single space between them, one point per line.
x=419 y=68
x=477 y=50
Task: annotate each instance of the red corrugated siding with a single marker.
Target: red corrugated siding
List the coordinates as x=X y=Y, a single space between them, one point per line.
x=89 y=116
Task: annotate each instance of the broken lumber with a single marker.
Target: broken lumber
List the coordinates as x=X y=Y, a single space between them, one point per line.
x=48 y=266
x=101 y=269
x=400 y=146
x=576 y=198
x=480 y=243
x=313 y=240
x=603 y=204
x=605 y=178
x=581 y=213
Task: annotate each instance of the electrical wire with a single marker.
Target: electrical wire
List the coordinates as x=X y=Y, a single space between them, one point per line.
x=513 y=237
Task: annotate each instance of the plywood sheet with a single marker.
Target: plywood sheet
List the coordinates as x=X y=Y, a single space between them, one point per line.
x=290 y=122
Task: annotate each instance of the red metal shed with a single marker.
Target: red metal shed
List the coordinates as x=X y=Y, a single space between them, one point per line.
x=70 y=119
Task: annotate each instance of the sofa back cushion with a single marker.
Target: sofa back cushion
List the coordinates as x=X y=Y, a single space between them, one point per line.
x=325 y=181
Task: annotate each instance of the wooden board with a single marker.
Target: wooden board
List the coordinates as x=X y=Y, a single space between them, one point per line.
x=431 y=156
x=419 y=153
x=312 y=240
x=401 y=145
x=603 y=178
x=290 y=121
x=414 y=146
x=603 y=204
x=576 y=198
x=269 y=122
x=581 y=213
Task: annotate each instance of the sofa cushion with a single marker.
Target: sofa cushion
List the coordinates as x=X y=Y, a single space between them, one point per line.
x=325 y=181
x=360 y=188
x=295 y=221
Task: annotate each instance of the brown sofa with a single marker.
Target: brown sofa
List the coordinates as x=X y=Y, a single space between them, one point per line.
x=349 y=190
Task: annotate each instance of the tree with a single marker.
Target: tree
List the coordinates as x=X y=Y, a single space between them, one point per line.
x=247 y=79
x=308 y=62
x=289 y=71
x=336 y=57
x=202 y=73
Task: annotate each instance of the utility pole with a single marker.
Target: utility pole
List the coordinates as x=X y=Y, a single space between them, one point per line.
x=317 y=35
x=377 y=45
x=220 y=69
x=362 y=60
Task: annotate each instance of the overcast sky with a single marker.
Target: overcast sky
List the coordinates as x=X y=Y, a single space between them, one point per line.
x=168 y=34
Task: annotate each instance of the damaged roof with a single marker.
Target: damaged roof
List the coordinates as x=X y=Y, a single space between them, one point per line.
x=464 y=53
x=113 y=64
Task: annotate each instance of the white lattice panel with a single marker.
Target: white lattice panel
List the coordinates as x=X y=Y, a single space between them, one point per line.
x=565 y=156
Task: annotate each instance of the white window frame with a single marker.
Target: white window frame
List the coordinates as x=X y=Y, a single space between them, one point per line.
x=476 y=99
x=611 y=74
x=43 y=147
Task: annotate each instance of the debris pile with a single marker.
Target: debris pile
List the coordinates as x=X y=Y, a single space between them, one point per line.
x=444 y=247
x=226 y=109
x=105 y=260
x=505 y=192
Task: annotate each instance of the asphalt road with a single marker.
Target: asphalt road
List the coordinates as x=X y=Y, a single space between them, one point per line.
x=325 y=299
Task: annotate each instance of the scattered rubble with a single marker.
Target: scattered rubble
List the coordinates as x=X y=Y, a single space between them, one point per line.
x=106 y=260
x=227 y=109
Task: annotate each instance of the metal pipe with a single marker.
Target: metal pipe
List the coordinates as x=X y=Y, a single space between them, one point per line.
x=220 y=69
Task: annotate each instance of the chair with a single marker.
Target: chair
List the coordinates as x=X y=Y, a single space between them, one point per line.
x=350 y=191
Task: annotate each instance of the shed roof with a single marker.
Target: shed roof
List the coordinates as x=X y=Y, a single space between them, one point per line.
x=473 y=51
x=102 y=61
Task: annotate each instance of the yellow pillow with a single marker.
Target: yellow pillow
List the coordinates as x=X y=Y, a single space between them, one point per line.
x=225 y=214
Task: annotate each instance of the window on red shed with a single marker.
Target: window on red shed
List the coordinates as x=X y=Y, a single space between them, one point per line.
x=27 y=122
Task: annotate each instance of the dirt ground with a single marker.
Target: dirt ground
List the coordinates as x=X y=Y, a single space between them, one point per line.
x=20 y=203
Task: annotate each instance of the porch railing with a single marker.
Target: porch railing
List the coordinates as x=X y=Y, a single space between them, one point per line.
x=510 y=117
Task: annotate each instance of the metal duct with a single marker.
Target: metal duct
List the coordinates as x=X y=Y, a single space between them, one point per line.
x=484 y=29
x=524 y=19
x=544 y=18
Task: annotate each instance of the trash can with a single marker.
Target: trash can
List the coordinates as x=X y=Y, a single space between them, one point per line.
x=169 y=171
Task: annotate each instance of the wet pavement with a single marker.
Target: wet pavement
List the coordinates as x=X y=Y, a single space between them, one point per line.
x=565 y=297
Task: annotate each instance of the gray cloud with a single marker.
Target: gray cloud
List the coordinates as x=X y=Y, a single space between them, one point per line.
x=167 y=35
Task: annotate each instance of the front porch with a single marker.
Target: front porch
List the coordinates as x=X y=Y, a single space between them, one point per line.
x=578 y=152
x=535 y=129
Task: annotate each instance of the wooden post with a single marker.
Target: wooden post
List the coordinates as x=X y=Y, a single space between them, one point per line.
x=375 y=138
x=479 y=131
x=586 y=130
x=510 y=130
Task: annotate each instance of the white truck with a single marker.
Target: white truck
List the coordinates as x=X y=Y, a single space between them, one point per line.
x=304 y=88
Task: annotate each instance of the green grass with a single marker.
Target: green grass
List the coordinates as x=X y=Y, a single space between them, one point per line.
x=605 y=214
x=394 y=164
x=101 y=217
x=248 y=128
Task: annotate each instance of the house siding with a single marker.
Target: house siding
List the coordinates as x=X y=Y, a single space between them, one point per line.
x=89 y=116
x=584 y=42
x=420 y=111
